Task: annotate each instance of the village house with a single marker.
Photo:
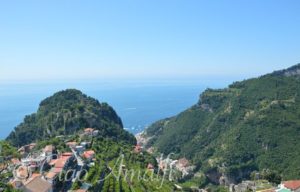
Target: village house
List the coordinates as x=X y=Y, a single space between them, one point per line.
x=57 y=166
x=71 y=144
x=64 y=160
x=79 y=149
x=37 y=184
x=95 y=132
x=183 y=162
x=88 y=131
x=162 y=165
x=15 y=161
x=89 y=155
x=52 y=176
x=243 y=187
x=289 y=186
x=183 y=165
x=48 y=150
x=26 y=148
x=61 y=163
x=85 y=144
x=91 y=132
x=34 y=161
x=33 y=183
x=22 y=173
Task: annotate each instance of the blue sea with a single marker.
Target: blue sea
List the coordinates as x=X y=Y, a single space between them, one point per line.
x=138 y=104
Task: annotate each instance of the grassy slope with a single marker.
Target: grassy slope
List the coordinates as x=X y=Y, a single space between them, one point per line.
x=251 y=125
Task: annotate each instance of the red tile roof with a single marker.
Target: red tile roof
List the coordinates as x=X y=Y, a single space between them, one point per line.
x=38 y=185
x=51 y=175
x=33 y=176
x=60 y=163
x=184 y=162
x=88 y=130
x=15 y=161
x=56 y=170
x=293 y=185
x=67 y=154
x=52 y=162
x=89 y=154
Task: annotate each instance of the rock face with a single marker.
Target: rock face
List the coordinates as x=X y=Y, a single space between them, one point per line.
x=251 y=125
x=68 y=112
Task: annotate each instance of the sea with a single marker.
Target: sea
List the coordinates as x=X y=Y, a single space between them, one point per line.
x=138 y=104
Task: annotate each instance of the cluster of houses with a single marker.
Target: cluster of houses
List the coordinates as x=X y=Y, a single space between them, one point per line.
x=182 y=165
x=289 y=186
x=42 y=171
x=285 y=186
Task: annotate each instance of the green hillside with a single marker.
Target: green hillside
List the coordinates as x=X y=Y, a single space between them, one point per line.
x=106 y=175
x=251 y=125
x=68 y=112
x=116 y=166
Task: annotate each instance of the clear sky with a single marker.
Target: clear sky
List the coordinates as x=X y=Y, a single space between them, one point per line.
x=147 y=39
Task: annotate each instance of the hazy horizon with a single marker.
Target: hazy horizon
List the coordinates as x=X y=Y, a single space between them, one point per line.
x=138 y=106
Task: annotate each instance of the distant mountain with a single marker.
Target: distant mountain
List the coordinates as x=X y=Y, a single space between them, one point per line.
x=68 y=112
x=292 y=71
x=250 y=126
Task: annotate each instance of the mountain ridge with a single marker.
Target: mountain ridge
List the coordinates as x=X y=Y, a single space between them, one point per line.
x=249 y=126
x=291 y=71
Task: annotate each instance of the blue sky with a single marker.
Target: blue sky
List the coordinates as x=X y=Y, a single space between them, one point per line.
x=147 y=39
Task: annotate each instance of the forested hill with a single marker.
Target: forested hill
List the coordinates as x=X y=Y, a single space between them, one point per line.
x=68 y=112
x=250 y=126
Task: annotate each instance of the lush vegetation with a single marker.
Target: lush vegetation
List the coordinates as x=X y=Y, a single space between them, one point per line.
x=118 y=168
x=6 y=153
x=68 y=112
x=250 y=126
